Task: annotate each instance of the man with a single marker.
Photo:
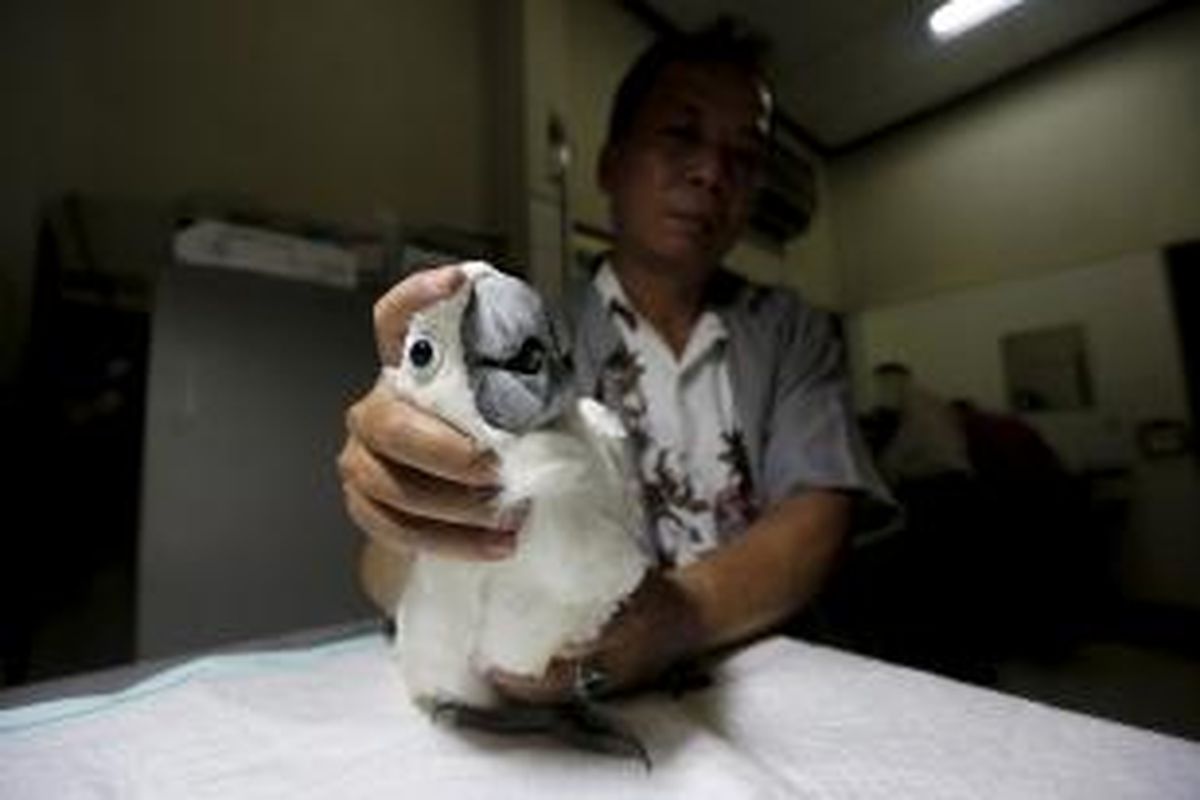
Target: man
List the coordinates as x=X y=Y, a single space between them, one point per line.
x=736 y=396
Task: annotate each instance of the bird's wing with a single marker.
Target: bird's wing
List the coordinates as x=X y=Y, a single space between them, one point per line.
x=605 y=429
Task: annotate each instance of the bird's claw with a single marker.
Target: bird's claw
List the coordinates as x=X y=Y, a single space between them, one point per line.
x=579 y=724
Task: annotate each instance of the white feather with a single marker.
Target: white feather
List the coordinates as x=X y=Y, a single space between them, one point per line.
x=577 y=554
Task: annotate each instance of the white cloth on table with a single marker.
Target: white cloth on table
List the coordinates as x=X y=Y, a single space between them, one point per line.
x=783 y=719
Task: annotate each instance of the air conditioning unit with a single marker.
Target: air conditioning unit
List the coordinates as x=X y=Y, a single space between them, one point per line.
x=787 y=199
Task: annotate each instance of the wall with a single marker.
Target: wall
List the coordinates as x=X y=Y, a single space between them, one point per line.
x=952 y=342
x=1092 y=157
x=542 y=91
x=328 y=108
x=336 y=110
x=603 y=40
x=984 y=219
x=243 y=532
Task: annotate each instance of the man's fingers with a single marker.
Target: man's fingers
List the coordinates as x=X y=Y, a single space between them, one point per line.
x=405 y=434
x=401 y=532
x=416 y=493
x=395 y=308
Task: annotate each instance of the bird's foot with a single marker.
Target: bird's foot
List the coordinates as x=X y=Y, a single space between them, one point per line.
x=579 y=724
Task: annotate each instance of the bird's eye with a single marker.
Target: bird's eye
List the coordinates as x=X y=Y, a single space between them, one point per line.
x=530 y=359
x=423 y=357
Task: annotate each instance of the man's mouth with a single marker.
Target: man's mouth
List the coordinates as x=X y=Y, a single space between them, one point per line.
x=692 y=221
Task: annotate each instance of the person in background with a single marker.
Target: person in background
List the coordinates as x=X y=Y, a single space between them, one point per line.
x=1034 y=513
x=934 y=579
x=925 y=438
x=980 y=568
x=735 y=395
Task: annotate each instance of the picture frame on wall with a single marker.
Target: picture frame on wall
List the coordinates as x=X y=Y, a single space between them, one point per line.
x=1047 y=369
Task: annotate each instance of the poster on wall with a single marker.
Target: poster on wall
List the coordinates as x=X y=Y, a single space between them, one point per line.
x=1046 y=369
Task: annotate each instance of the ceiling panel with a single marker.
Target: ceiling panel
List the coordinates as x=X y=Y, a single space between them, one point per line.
x=847 y=70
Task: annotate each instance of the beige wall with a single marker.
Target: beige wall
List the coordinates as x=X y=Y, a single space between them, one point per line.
x=1088 y=159
x=953 y=343
x=337 y=109
x=603 y=40
x=1046 y=202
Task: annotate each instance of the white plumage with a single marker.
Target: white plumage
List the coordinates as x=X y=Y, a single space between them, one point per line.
x=577 y=554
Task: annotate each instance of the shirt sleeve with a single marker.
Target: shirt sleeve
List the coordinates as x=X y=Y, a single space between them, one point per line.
x=813 y=439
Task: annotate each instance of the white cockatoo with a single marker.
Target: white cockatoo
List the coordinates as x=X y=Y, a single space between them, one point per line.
x=491 y=360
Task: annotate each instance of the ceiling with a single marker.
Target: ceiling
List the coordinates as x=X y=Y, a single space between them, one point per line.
x=846 y=70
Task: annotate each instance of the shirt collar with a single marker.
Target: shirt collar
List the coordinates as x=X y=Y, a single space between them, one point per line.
x=616 y=302
x=708 y=332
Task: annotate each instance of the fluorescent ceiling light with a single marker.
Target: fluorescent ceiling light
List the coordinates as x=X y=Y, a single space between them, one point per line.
x=958 y=16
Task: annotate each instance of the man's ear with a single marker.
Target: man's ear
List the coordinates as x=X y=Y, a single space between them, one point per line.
x=606 y=168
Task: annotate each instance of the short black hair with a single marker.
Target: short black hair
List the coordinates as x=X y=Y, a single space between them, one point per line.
x=725 y=42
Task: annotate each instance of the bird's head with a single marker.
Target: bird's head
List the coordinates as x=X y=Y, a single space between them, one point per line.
x=517 y=359
x=507 y=345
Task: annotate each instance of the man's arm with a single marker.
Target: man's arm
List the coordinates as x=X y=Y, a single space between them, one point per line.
x=738 y=592
x=768 y=574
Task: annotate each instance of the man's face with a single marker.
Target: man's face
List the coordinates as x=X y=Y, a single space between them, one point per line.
x=682 y=180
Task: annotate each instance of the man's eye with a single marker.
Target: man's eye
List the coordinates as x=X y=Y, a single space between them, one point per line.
x=681 y=133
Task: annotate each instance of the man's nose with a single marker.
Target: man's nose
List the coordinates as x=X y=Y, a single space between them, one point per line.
x=711 y=166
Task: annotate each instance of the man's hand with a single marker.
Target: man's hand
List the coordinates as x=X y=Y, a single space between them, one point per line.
x=410 y=480
x=657 y=627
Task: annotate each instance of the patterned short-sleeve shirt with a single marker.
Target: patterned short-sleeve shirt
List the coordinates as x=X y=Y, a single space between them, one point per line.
x=683 y=425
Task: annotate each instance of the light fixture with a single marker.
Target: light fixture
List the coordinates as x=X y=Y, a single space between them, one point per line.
x=958 y=16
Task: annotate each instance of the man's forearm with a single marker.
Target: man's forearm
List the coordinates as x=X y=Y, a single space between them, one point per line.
x=769 y=573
